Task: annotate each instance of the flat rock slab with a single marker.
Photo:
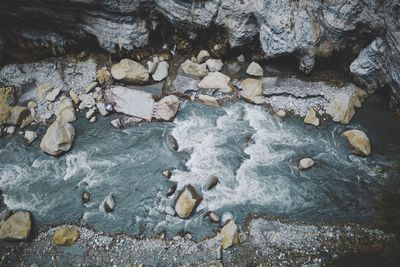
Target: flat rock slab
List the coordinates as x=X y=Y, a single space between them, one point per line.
x=132 y=102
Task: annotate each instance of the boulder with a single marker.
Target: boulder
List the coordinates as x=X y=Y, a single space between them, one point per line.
x=305 y=164
x=359 y=141
x=42 y=90
x=132 y=102
x=311 y=117
x=216 y=80
x=229 y=234
x=17 y=226
x=202 y=56
x=58 y=138
x=187 y=201
x=341 y=108
x=130 y=72
x=255 y=69
x=211 y=181
x=103 y=76
x=65 y=110
x=30 y=136
x=65 y=236
x=161 y=71
x=208 y=100
x=251 y=90
x=52 y=96
x=17 y=115
x=191 y=68
x=214 y=64
x=109 y=203
x=90 y=87
x=167 y=108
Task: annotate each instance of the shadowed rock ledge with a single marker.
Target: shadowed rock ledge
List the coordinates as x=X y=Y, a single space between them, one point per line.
x=306 y=29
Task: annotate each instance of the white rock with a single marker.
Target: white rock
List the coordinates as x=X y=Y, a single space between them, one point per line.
x=30 y=136
x=202 y=56
x=102 y=109
x=87 y=101
x=10 y=130
x=116 y=123
x=214 y=64
x=208 y=100
x=341 y=108
x=161 y=71
x=229 y=234
x=53 y=94
x=130 y=72
x=93 y=119
x=167 y=108
x=311 y=117
x=191 y=68
x=58 y=138
x=216 y=80
x=90 y=87
x=281 y=113
x=65 y=110
x=132 y=102
x=305 y=164
x=255 y=69
x=151 y=66
x=251 y=90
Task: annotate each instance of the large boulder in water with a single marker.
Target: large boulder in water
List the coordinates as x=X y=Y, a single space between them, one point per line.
x=65 y=236
x=17 y=226
x=167 y=108
x=130 y=72
x=58 y=138
x=359 y=141
x=187 y=201
x=229 y=234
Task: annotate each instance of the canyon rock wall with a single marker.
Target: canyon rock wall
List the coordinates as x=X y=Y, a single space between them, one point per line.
x=304 y=28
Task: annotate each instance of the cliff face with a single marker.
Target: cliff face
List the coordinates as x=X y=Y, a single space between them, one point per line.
x=305 y=28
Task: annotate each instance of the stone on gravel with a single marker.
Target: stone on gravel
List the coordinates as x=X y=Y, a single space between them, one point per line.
x=208 y=100
x=359 y=141
x=42 y=90
x=102 y=109
x=17 y=226
x=87 y=101
x=30 y=136
x=229 y=234
x=202 y=56
x=311 y=117
x=167 y=108
x=90 y=87
x=58 y=138
x=214 y=64
x=191 y=68
x=103 y=76
x=65 y=236
x=52 y=96
x=161 y=71
x=341 y=108
x=65 y=111
x=132 y=102
x=211 y=181
x=187 y=201
x=130 y=72
x=216 y=80
x=251 y=90
x=305 y=164
x=255 y=69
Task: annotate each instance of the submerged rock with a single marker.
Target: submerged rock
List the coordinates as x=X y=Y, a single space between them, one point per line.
x=161 y=71
x=229 y=234
x=172 y=190
x=58 y=138
x=85 y=197
x=208 y=100
x=216 y=80
x=132 y=102
x=305 y=164
x=254 y=69
x=109 y=203
x=130 y=72
x=359 y=141
x=341 y=108
x=65 y=236
x=173 y=142
x=17 y=226
x=311 y=117
x=187 y=201
x=251 y=90
x=167 y=108
x=191 y=68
